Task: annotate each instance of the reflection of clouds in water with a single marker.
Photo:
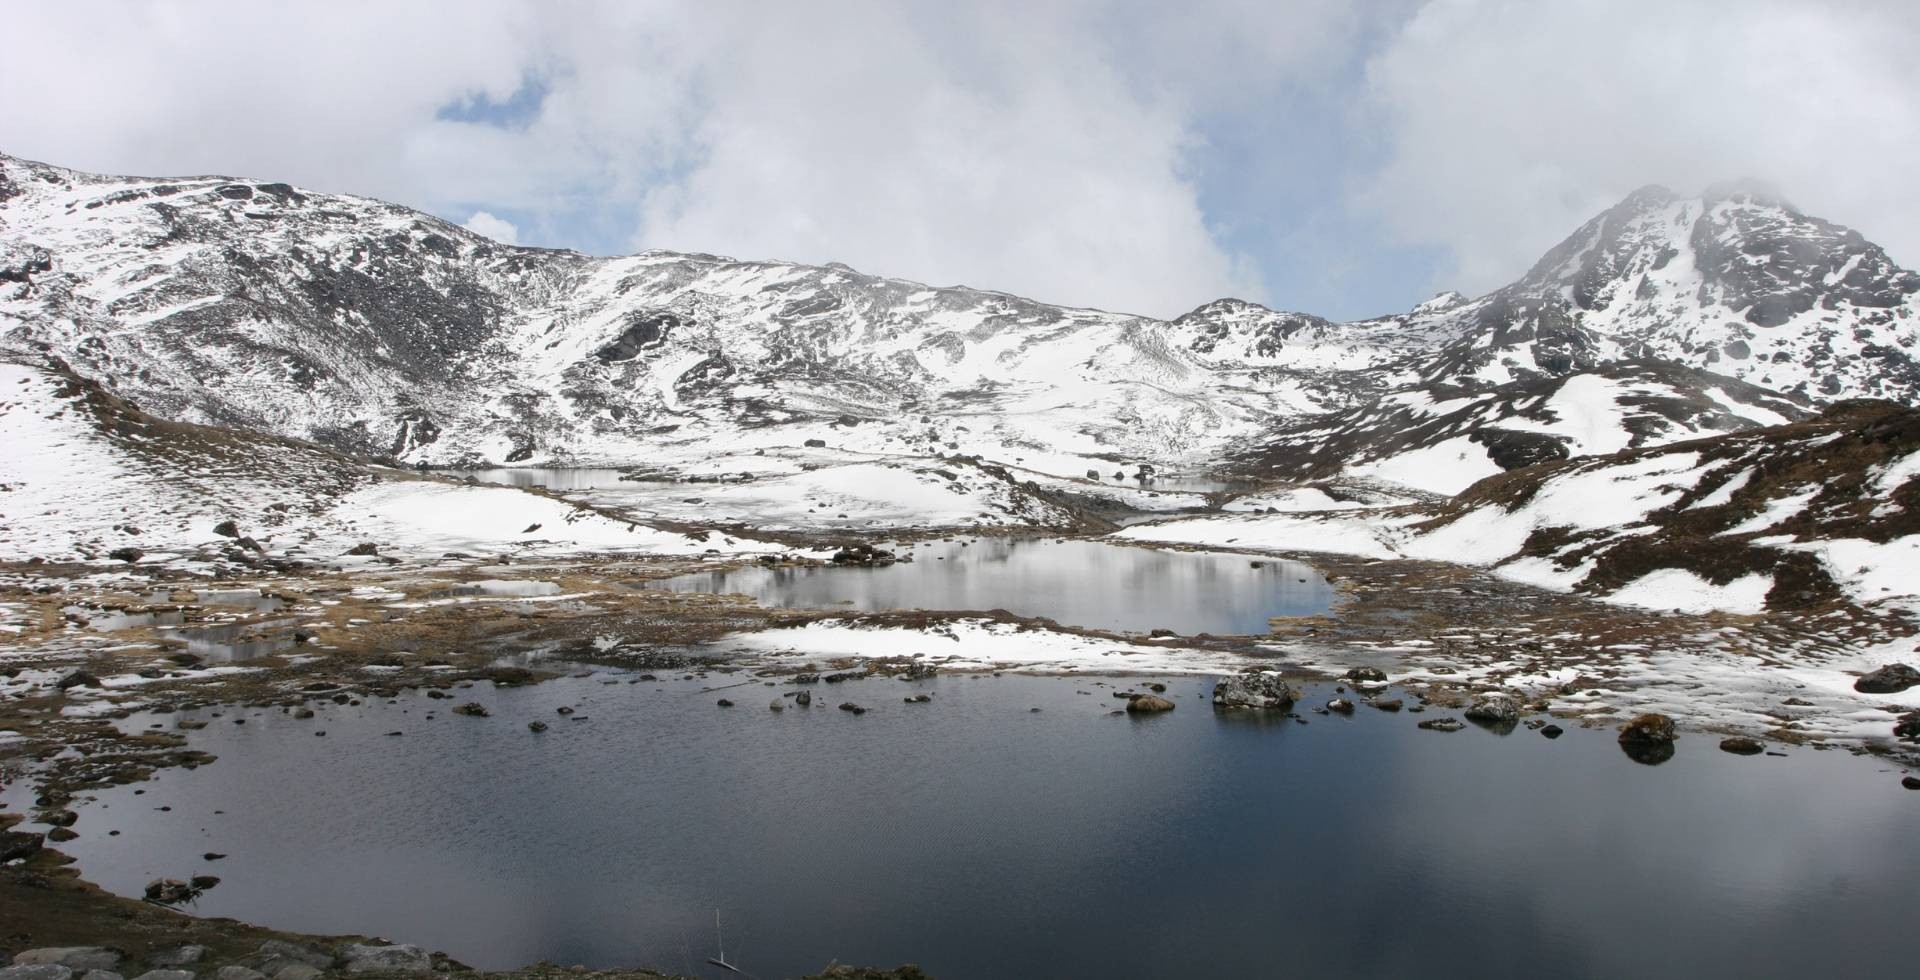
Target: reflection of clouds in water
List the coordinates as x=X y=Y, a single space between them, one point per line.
x=1078 y=583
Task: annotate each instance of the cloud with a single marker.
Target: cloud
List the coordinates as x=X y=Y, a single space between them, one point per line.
x=1045 y=149
x=1509 y=123
x=498 y=229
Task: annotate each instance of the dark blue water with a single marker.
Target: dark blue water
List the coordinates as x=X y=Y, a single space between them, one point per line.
x=1089 y=584
x=980 y=839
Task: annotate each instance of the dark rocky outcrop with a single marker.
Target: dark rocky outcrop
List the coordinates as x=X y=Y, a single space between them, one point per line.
x=1888 y=679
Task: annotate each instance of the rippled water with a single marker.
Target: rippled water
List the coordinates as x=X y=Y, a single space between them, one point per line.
x=981 y=839
x=1089 y=584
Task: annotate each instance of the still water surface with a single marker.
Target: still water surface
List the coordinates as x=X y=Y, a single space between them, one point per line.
x=981 y=839
x=1089 y=584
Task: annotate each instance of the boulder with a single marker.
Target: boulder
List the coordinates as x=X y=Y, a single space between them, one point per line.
x=166 y=975
x=1340 y=706
x=536 y=726
x=1910 y=782
x=1888 y=679
x=364 y=549
x=297 y=971
x=386 y=959
x=472 y=709
x=777 y=704
x=178 y=956
x=227 y=529
x=1443 y=724
x=238 y=973
x=1367 y=675
x=1259 y=690
x=280 y=953
x=168 y=891
x=921 y=698
x=101 y=975
x=1496 y=708
x=1907 y=727
x=1741 y=746
x=1147 y=704
x=1390 y=704
x=71 y=957
x=77 y=678
x=849 y=706
x=128 y=555
x=1553 y=731
x=1648 y=739
x=724 y=703
x=803 y=699
x=36 y=971
x=15 y=844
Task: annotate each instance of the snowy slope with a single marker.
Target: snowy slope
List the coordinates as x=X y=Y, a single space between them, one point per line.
x=380 y=331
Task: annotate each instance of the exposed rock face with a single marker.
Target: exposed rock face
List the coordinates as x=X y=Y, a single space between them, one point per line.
x=1260 y=690
x=1889 y=679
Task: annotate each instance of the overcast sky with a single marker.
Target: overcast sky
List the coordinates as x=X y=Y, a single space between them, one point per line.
x=1343 y=157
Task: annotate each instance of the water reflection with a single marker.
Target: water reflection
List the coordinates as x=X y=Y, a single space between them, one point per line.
x=1089 y=584
x=980 y=839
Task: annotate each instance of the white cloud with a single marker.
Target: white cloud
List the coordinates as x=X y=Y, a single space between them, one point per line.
x=499 y=229
x=1510 y=122
x=1042 y=149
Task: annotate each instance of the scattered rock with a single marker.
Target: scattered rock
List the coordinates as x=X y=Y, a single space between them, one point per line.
x=1648 y=739
x=563 y=711
x=1443 y=724
x=166 y=975
x=61 y=835
x=238 y=973
x=364 y=549
x=303 y=713
x=1797 y=703
x=1157 y=688
x=803 y=699
x=536 y=726
x=73 y=957
x=227 y=529
x=1391 y=704
x=386 y=959
x=850 y=706
x=472 y=709
x=1889 y=679
x=1367 y=675
x=921 y=698
x=1907 y=727
x=101 y=975
x=1553 y=731
x=128 y=555
x=1910 y=782
x=777 y=704
x=1741 y=746
x=212 y=856
x=1147 y=704
x=278 y=954
x=1258 y=690
x=298 y=971
x=1340 y=706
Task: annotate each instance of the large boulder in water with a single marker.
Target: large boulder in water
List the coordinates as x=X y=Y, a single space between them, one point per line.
x=1147 y=704
x=1495 y=709
x=1261 y=690
x=1648 y=739
x=1889 y=679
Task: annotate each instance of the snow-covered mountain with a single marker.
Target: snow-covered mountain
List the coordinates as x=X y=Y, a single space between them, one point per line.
x=375 y=329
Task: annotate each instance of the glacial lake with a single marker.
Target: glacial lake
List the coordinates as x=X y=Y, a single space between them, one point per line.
x=981 y=839
x=1089 y=584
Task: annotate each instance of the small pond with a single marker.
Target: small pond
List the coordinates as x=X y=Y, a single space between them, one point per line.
x=979 y=838
x=556 y=478
x=1089 y=584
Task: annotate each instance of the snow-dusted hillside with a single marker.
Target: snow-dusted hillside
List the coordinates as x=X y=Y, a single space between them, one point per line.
x=377 y=330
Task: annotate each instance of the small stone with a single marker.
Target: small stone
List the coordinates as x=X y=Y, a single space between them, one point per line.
x=1443 y=724
x=303 y=713
x=202 y=883
x=777 y=704
x=1340 y=706
x=387 y=959
x=1553 y=731
x=1741 y=746
x=850 y=706
x=77 y=678
x=803 y=699
x=61 y=835
x=472 y=709
x=921 y=698
x=1910 y=782
x=1367 y=675
x=1157 y=688
x=212 y=856
x=166 y=975
x=1391 y=704
x=536 y=726
x=563 y=710
x=238 y=973
x=724 y=703
x=1648 y=739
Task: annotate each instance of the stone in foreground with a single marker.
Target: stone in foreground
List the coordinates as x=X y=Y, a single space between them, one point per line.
x=1259 y=690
